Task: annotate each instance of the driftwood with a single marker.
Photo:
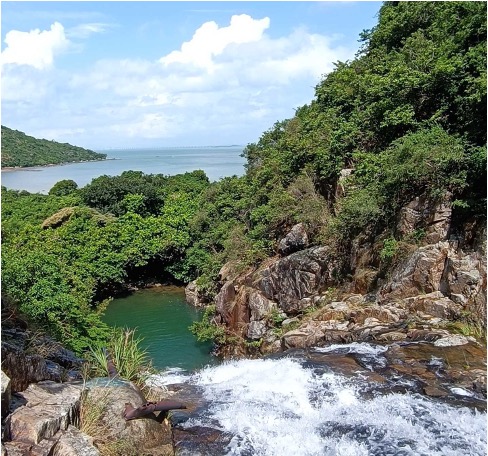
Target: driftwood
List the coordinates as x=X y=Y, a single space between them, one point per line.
x=131 y=413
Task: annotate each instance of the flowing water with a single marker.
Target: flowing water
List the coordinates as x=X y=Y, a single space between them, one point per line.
x=217 y=162
x=304 y=405
x=161 y=317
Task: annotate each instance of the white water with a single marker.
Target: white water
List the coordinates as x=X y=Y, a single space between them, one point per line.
x=281 y=408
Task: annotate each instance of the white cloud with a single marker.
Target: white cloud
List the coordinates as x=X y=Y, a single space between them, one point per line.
x=35 y=48
x=85 y=30
x=210 y=40
x=227 y=84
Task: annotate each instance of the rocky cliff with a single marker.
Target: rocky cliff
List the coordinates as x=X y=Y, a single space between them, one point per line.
x=432 y=284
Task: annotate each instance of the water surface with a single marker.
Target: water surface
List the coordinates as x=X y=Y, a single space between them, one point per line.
x=162 y=316
x=217 y=162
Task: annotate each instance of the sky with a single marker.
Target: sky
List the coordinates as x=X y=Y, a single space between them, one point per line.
x=117 y=74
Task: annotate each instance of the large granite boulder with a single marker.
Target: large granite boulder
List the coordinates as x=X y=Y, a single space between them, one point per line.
x=149 y=435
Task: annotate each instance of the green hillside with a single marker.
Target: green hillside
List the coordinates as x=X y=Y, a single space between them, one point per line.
x=19 y=149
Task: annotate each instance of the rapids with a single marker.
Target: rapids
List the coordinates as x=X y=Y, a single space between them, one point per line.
x=297 y=406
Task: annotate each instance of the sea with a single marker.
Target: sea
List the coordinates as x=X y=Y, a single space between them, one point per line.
x=216 y=162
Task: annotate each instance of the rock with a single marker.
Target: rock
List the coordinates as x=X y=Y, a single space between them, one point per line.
x=53 y=362
x=434 y=217
x=434 y=304
x=50 y=407
x=6 y=394
x=60 y=217
x=464 y=281
x=434 y=392
x=73 y=442
x=453 y=340
x=294 y=241
x=149 y=436
x=299 y=275
x=225 y=301
x=256 y=330
x=303 y=337
x=194 y=296
x=421 y=273
x=260 y=306
x=342 y=182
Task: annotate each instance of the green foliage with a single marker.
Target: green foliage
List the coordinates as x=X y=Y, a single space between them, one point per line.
x=64 y=187
x=130 y=360
x=21 y=150
x=389 y=250
x=407 y=116
x=206 y=329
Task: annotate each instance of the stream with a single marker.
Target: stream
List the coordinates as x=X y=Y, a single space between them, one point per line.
x=356 y=399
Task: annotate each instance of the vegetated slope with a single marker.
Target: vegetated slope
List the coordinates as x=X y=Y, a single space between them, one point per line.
x=406 y=118
x=21 y=150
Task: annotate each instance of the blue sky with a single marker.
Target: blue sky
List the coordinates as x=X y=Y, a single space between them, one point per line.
x=115 y=74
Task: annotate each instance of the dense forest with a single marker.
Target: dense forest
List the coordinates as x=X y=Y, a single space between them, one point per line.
x=21 y=150
x=405 y=117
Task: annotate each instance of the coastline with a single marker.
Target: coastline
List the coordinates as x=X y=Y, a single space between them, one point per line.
x=39 y=167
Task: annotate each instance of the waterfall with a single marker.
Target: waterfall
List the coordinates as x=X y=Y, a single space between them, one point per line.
x=289 y=406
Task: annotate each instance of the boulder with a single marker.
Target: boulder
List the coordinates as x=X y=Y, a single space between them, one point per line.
x=256 y=330
x=421 y=273
x=434 y=304
x=73 y=442
x=150 y=435
x=50 y=407
x=6 y=394
x=299 y=275
x=295 y=240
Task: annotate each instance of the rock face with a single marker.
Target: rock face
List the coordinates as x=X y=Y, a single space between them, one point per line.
x=24 y=368
x=291 y=280
x=50 y=407
x=434 y=217
x=294 y=241
x=434 y=286
x=149 y=436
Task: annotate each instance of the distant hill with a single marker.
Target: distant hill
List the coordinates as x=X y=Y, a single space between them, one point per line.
x=19 y=149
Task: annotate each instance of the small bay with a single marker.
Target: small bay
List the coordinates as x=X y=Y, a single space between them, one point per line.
x=216 y=162
x=161 y=317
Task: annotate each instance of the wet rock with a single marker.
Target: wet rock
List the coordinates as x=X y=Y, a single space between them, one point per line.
x=6 y=394
x=150 y=435
x=73 y=442
x=435 y=392
x=295 y=240
x=50 y=407
x=200 y=441
x=453 y=340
